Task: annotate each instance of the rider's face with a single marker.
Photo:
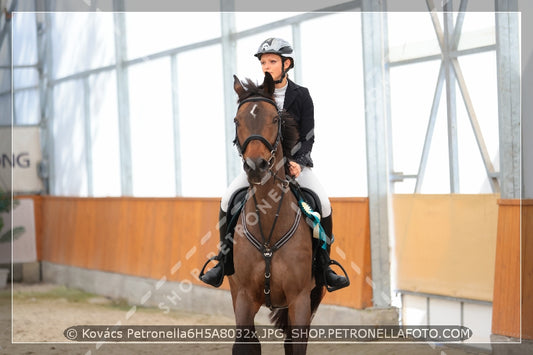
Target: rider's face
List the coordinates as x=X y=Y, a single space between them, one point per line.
x=272 y=63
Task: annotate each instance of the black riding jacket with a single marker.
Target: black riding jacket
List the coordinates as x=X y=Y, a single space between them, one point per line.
x=299 y=104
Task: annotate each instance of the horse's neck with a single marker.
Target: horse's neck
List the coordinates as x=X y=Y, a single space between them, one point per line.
x=270 y=198
x=272 y=192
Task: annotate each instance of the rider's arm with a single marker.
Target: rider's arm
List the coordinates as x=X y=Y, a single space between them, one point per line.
x=306 y=129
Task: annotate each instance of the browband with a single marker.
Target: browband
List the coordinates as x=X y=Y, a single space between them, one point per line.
x=258 y=98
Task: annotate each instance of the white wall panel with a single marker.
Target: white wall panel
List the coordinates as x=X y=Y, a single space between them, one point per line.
x=414 y=310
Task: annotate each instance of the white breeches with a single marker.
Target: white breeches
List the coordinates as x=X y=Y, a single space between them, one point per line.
x=306 y=179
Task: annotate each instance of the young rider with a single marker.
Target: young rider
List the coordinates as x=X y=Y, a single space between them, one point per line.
x=275 y=55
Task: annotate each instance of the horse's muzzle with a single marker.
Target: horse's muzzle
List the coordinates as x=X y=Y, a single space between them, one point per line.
x=257 y=170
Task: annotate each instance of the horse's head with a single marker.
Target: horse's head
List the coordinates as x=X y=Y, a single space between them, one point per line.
x=258 y=128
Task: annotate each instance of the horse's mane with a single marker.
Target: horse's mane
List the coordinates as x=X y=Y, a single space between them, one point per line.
x=289 y=127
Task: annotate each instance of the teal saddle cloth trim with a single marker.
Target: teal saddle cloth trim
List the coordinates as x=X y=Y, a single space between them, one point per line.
x=313 y=217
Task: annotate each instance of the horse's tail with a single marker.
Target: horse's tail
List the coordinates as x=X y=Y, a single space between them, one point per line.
x=317 y=294
x=280 y=317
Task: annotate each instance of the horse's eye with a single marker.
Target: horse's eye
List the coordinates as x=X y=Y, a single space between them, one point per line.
x=236 y=121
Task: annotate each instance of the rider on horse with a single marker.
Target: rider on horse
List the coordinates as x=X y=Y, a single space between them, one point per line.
x=275 y=56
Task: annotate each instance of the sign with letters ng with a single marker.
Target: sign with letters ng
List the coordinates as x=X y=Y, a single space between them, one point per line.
x=22 y=160
x=19 y=229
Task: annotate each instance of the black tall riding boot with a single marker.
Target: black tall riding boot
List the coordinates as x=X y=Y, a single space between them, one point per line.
x=333 y=281
x=215 y=276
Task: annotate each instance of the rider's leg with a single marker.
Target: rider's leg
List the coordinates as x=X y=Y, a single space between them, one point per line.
x=215 y=276
x=333 y=281
x=309 y=180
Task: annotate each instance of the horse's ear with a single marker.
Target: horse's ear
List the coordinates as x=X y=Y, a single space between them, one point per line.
x=237 y=86
x=268 y=84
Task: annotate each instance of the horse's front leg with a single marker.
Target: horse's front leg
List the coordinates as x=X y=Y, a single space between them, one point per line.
x=245 y=309
x=299 y=320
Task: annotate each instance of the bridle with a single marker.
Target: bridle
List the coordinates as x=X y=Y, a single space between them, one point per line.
x=257 y=137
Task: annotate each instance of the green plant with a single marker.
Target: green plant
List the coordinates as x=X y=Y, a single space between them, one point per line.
x=6 y=206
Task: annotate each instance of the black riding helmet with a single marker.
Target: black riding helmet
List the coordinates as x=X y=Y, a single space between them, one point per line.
x=280 y=47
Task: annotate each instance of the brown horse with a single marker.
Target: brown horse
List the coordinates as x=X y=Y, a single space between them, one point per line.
x=272 y=242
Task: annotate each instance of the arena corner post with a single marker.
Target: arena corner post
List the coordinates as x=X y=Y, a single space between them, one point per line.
x=512 y=302
x=376 y=78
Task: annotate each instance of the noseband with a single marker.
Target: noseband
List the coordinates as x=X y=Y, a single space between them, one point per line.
x=258 y=137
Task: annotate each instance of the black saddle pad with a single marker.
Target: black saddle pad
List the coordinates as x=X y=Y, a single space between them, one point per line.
x=309 y=196
x=236 y=200
x=312 y=199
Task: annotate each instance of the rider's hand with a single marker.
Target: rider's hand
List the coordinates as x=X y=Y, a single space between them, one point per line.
x=294 y=169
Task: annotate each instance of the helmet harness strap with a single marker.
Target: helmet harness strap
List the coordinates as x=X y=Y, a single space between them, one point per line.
x=283 y=71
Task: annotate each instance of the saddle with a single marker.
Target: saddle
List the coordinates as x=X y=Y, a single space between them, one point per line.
x=239 y=198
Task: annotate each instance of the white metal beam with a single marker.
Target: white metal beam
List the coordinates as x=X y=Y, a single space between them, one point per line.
x=508 y=60
x=429 y=131
x=87 y=136
x=489 y=168
x=176 y=123
x=453 y=145
x=123 y=100
x=377 y=145
x=46 y=95
x=229 y=65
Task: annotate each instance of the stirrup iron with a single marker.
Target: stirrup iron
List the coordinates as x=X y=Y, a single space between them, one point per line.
x=220 y=263
x=330 y=288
